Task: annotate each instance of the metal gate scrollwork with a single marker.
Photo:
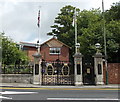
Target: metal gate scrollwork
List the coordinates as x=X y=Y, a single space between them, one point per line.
x=65 y=69
x=57 y=73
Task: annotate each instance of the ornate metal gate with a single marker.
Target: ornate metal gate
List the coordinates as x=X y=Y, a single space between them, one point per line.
x=88 y=71
x=57 y=73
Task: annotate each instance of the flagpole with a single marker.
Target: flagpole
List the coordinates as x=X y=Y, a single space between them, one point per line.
x=105 y=49
x=38 y=40
x=38 y=34
x=75 y=31
x=38 y=24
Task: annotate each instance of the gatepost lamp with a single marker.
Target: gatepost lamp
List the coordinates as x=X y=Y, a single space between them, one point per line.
x=78 y=46
x=97 y=45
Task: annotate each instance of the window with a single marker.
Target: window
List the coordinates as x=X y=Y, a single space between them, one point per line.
x=54 y=50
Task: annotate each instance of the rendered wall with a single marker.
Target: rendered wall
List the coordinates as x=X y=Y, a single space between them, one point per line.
x=16 y=78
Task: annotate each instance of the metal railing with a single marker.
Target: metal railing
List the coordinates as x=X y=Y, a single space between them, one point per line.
x=17 y=69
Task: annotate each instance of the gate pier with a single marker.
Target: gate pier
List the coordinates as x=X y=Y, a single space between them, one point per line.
x=37 y=68
x=78 y=69
x=98 y=64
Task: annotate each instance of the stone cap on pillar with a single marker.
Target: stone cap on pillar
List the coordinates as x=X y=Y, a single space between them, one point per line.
x=98 y=55
x=78 y=55
x=36 y=55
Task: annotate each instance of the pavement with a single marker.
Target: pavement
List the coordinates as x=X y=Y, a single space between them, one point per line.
x=23 y=85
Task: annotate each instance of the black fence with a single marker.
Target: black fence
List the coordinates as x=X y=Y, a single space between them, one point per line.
x=17 y=69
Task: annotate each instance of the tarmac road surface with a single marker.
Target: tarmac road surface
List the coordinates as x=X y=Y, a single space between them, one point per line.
x=66 y=94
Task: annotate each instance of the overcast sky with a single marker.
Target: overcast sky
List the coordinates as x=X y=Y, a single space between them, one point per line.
x=18 y=19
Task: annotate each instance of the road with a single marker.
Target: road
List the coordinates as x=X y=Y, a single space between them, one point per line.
x=59 y=94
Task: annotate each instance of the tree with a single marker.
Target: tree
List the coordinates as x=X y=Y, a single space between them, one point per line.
x=113 y=41
x=10 y=53
x=89 y=29
x=112 y=17
x=63 y=28
x=0 y=50
x=113 y=13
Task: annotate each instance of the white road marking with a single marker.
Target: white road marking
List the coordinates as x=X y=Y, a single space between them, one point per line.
x=109 y=99
x=2 y=97
x=14 y=92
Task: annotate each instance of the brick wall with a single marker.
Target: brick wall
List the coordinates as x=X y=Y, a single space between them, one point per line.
x=64 y=56
x=113 y=73
x=30 y=51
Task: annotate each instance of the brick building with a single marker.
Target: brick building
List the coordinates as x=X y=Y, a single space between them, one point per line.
x=50 y=50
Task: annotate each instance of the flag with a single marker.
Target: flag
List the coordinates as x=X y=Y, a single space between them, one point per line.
x=38 y=24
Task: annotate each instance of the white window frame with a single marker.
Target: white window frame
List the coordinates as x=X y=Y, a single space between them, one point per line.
x=55 y=50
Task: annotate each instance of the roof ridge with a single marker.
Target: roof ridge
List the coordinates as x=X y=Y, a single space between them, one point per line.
x=46 y=42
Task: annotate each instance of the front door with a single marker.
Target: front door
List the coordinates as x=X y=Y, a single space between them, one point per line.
x=88 y=72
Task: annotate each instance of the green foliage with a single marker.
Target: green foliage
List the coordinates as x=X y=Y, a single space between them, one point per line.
x=112 y=17
x=10 y=53
x=113 y=13
x=89 y=29
x=17 y=69
x=63 y=28
x=113 y=40
x=0 y=48
x=88 y=25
